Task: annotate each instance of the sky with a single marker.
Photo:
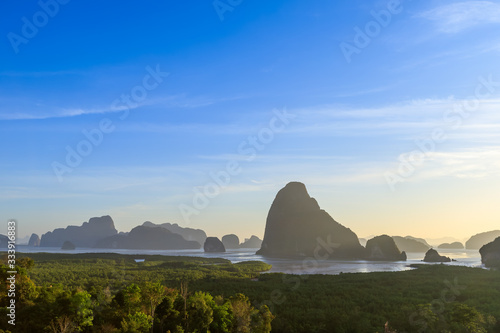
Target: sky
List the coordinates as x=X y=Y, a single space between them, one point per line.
x=198 y=112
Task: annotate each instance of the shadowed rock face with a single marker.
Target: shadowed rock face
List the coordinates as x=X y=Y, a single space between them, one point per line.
x=296 y=226
x=421 y=240
x=384 y=248
x=477 y=241
x=408 y=244
x=67 y=245
x=213 y=244
x=253 y=242
x=433 y=256
x=4 y=242
x=231 y=241
x=34 y=240
x=189 y=234
x=84 y=236
x=149 y=238
x=490 y=254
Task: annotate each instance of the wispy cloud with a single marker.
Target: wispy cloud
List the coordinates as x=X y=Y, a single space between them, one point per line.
x=404 y=109
x=185 y=101
x=407 y=120
x=49 y=113
x=466 y=164
x=37 y=111
x=356 y=93
x=459 y=16
x=280 y=157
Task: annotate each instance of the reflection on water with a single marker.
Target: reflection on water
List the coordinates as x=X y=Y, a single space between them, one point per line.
x=470 y=258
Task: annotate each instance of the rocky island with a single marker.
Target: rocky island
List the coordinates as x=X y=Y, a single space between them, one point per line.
x=213 y=244
x=34 y=240
x=85 y=235
x=231 y=241
x=384 y=248
x=490 y=254
x=149 y=238
x=189 y=234
x=297 y=226
x=433 y=256
x=253 y=242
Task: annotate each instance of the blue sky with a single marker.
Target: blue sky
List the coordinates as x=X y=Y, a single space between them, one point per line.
x=399 y=136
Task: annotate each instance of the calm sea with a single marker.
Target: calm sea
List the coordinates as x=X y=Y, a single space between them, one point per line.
x=470 y=258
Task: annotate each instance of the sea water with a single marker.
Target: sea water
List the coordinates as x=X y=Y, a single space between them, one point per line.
x=469 y=258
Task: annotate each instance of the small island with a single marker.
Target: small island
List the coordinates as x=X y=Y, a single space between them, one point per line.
x=384 y=248
x=433 y=256
x=214 y=245
x=67 y=245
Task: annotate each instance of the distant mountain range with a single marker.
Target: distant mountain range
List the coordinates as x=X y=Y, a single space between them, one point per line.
x=442 y=240
x=452 y=246
x=189 y=234
x=100 y=232
x=295 y=226
x=477 y=241
x=149 y=238
x=232 y=241
x=411 y=244
x=85 y=235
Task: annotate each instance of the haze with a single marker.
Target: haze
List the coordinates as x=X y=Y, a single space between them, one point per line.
x=394 y=130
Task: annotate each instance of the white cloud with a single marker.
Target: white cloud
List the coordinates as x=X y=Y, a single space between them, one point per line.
x=480 y=162
x=407 y=120
x=49 y=113
x=36 y=111
x=456 y=17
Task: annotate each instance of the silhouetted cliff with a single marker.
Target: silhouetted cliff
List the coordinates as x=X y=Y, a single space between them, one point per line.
x=421 y=240
x=34 y=240
x=67 y=245
x=296 y=226
x=189 y=234
x=213 y=244
x=4 y=241
x=147 y=238
x=84 y=236
x=253 y=242
x=231 y=241
x=433 y=256
x=490 y=254
x=410 y=244
x=384 y=248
